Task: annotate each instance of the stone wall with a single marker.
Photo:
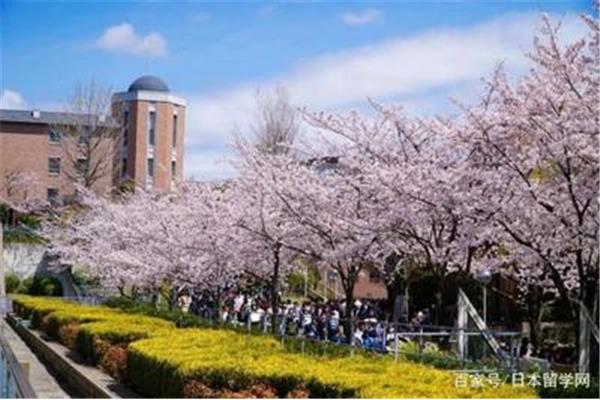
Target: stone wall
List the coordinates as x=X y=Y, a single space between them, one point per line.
x=23 y=259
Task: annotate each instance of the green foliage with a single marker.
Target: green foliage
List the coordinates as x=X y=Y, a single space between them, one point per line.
x=21 y=236
x=572 y=392
x=178 y=317
x=20 y=228
x=429 y=354
x=42 y=286
x=83 y=280
x=12 y=283
x=31 y=221
x=296 y=280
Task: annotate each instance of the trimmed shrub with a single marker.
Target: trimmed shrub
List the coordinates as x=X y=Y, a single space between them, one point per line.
x=121 y=330
x=45 y=286
x=68 y=335
x=114 y=361
x=228 y=362
x=12 y=283
x=159 y=360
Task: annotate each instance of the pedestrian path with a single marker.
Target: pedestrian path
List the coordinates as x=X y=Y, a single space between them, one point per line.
x=42 y=381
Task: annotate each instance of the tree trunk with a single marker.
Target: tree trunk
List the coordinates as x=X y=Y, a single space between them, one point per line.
x=218 y=306
x=275 y=287
x=154 y=299
x=173 y=297
x=348 y=282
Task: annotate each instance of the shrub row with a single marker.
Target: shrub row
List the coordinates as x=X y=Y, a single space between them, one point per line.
x=223 y=362
x=159 y=360
x=96 y=333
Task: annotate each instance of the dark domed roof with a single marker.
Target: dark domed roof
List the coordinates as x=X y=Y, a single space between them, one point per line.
x=148 y=82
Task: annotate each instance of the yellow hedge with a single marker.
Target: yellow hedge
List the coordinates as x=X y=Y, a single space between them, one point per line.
x=93 y=322
x=233 y=361
x=162 y=360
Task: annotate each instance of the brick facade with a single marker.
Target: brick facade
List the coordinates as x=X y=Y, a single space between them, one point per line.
x=26 y=145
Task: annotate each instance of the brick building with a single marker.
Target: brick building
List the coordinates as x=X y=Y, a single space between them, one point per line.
x=146 y=145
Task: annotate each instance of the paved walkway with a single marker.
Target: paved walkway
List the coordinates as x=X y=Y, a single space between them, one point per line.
x=43 y=383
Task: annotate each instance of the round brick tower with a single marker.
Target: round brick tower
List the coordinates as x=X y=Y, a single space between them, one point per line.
x=151 y=147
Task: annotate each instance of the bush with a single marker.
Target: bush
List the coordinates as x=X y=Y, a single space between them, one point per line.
x=226 y=362
x=572 y=392
x=68 y=335
x=114 y=361
x=121 y=330
x=45 y=286
x=58 y=319
x=25 y=285
x=179 y=318
x=158 y=360
x=12 y=283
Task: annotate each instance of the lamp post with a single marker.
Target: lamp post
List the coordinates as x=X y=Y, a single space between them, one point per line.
x=484 y=277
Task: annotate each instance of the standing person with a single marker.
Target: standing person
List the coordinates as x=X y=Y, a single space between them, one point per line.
x=184 y=303
x=333 y=323
x=358 y=335
x=238 y=303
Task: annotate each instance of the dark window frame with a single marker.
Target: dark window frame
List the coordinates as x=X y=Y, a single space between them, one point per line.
x=125 y=128
x=152 y=128
x=150 y=167
x=54 y=197
x=54 y=136
x=175 y=131
x=51 y=170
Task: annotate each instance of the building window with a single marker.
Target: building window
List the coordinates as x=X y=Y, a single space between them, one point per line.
x=173 y=169
x=151 y=167
x=375 y=276
x=54 y=165
x=152 y=128
x=52 y=195
x=125 y=127
x=174 y=131
x=53 y=136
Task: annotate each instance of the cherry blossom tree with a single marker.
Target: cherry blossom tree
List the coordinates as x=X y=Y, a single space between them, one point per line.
x=411 y=175
x=144 y=240
x=535 y=147
x=309 y=208
x=510 y=185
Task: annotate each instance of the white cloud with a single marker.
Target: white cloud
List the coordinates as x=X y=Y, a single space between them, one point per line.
x=208 y=165
x=420 y=71
x=366 y=17
x=123 y=38
x=11 y=100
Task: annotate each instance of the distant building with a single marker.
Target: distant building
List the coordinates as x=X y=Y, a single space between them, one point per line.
x=147 y=149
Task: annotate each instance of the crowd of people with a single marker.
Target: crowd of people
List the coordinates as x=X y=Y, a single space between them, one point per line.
x=314 y=320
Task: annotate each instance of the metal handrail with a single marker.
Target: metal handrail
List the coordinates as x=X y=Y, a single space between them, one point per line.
x=24 y=388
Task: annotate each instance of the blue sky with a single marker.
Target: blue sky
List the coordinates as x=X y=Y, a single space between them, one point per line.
x=330 y=55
